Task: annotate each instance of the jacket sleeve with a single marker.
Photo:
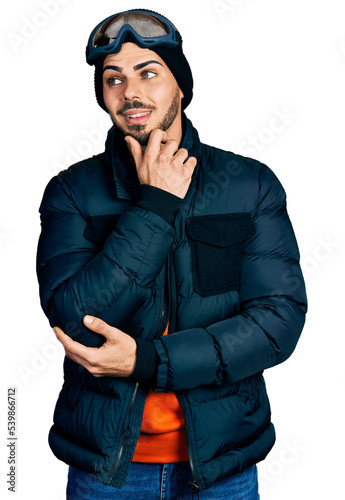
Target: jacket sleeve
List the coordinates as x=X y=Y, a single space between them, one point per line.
x=272 y=308
x=77 y=278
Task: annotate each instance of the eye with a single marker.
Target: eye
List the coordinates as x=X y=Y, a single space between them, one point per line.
x=148 y=74
x=112 y=81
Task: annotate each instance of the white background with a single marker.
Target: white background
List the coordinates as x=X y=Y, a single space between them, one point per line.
x=252 y=61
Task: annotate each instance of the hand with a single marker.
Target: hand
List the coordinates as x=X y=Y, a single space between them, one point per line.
x=115 y=358
x=163 y=165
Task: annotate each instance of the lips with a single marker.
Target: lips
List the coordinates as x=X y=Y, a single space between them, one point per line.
x=134 y=116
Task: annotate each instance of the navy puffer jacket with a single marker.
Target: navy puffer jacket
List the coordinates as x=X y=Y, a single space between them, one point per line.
x=226 y=275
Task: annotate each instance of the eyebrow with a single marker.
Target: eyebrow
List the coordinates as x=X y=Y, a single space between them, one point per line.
x=142 y=65
x=136 y=68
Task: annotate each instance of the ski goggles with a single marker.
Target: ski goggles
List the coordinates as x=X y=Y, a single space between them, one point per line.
x=145 y=28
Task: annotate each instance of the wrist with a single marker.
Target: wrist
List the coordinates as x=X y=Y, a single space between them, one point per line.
x=161 y=202
x=146 y=365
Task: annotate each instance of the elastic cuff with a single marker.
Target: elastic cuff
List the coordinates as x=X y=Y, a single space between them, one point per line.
x=162 y=203
x=147 y=362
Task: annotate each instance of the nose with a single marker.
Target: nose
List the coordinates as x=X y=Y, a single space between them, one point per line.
x=132 y=90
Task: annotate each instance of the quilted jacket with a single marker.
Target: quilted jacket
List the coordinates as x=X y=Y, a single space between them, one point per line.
x=225 y=273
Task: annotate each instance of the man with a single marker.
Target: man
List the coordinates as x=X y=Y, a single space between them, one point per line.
x=169 y=298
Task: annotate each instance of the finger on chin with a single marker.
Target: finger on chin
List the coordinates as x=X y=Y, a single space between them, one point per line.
x=157 y=137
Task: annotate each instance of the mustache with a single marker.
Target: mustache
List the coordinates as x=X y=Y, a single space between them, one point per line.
x=134 y=105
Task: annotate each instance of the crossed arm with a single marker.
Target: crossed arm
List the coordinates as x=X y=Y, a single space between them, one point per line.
x=263 y=334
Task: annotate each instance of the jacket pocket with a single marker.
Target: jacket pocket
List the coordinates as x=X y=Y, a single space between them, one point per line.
x=216 y=242
x=99 y=227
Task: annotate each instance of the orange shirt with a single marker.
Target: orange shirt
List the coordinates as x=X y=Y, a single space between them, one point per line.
x=162 y=436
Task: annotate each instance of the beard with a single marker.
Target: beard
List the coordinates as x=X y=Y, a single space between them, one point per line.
x=138 y=131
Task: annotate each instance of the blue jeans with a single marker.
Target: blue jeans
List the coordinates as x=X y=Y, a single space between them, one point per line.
x=161 y=482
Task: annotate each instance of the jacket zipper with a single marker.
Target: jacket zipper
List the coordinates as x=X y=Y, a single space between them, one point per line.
x=172 y=290
x=194 y=483
x=161 y=317
x=172 y=299
x=162 y=309
x=124 y=433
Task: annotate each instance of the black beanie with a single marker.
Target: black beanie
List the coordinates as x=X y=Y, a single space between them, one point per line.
x=173 y=57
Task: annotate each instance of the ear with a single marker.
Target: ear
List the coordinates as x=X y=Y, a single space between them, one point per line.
x=181 y=94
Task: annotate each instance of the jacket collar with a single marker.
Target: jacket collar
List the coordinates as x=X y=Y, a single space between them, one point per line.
x=124 y=171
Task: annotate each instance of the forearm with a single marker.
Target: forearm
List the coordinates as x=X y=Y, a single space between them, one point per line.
x=76 y=280
x=261 y=337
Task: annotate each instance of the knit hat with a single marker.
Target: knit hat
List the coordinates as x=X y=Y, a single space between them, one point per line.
x=173 y=57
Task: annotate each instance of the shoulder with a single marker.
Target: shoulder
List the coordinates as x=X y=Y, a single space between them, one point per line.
x=80 y=174
x=73 y=186
x=243 y=172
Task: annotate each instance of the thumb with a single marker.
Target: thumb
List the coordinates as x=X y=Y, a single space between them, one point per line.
x=99 y=326
x=135 y=148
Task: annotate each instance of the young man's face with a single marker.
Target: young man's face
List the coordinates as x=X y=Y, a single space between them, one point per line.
x=141 y=93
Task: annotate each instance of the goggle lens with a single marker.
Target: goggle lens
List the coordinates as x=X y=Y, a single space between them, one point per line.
x=145 y=25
